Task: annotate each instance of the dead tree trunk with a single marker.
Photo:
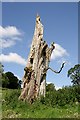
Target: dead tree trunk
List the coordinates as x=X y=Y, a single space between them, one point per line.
x=34 y=79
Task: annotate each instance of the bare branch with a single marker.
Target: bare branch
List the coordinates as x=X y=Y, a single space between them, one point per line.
x=59 y=70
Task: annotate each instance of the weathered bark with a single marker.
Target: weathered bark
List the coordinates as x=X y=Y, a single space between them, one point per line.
x=34 y=79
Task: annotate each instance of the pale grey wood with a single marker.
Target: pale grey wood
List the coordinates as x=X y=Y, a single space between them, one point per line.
x=34 y=79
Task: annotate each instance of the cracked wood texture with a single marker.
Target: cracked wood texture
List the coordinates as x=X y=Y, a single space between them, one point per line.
x=34 y=79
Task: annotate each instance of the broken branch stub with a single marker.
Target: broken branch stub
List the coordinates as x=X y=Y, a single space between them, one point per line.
x=34 y=79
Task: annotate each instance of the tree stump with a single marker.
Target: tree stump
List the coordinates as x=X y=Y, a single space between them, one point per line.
x=34 y=79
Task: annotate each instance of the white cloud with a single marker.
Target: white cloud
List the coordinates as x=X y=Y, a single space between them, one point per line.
x=9 y=31
x=58 y=52
x=48 y=82
x=9 y=35
x=6 y=43
x=13 y=57
x=57 y=88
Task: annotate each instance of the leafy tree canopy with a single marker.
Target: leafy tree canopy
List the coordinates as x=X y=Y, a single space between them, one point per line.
x=50 y=87
x=74 y=74
x=1 y=68
x=13 y=80
x=8 y=79
x=3 y=78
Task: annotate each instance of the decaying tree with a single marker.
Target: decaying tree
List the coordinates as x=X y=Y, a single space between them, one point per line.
x=34 y=79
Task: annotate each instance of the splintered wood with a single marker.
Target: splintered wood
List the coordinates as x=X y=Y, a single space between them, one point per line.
x=34 y=79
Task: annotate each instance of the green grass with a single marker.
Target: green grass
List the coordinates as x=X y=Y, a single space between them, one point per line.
x=0 y=102
x=13 y=108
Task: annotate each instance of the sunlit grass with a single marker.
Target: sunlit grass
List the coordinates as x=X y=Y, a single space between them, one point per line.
x=13 y=108
x=0 y=102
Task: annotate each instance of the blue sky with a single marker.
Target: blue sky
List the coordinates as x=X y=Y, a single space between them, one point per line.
x=40 y=0
x=60 y=21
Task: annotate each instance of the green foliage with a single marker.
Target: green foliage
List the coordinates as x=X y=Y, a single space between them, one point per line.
x=62 y=103
x=11 y=98
x=50 y=87
x=4 y=80
x=8 y=80
x=14 y=108
x=74 y=74
x=13 y=81
x=1 y=71
x=62 y=97
x=77 y=92
x=1 y=68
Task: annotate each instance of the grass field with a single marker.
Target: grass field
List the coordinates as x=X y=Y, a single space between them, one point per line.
x=0 y=103
x=13 y=108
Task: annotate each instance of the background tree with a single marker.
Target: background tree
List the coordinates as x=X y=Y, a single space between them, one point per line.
x=3 y=78
x=8 y=80
x=1 y=68
x=13 y=81
x=50 y=87
x=74 y=74
x=1 y=71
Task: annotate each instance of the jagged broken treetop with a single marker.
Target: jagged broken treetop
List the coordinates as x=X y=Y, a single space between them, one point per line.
x=34 y=79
